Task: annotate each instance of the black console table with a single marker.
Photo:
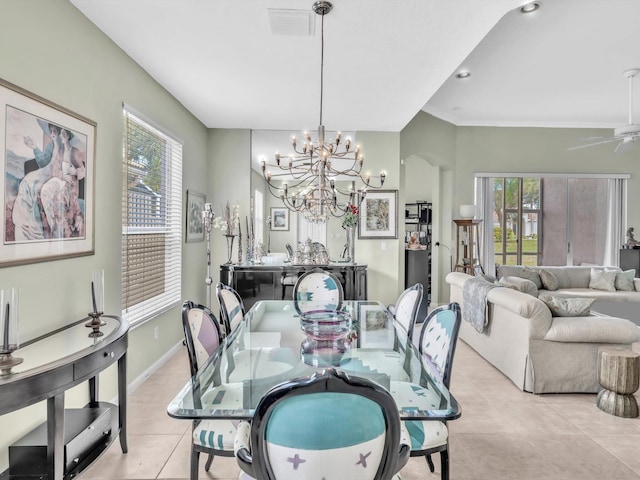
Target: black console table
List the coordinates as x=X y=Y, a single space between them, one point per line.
x=264 y=282
x=56 y=362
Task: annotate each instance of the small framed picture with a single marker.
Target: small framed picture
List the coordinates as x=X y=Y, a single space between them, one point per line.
x=194 y=230
x=279 y=218
x=376 y=328
x=379 y=215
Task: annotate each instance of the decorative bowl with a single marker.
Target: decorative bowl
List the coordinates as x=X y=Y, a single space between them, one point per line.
x=325 y=325
x=467 y=211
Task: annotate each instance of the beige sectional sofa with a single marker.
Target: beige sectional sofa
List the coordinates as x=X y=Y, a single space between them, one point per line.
x=541 y=353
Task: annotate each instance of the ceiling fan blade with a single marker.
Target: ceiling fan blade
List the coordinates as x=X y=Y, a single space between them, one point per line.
x=608 y=140
x=625 y=145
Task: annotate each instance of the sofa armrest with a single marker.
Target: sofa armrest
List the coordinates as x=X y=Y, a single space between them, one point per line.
x=524 y=305
x=636 y=284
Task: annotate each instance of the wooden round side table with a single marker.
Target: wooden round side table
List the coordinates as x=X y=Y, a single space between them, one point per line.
x=619 y=375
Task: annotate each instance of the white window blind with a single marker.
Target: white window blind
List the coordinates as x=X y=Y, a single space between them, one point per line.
x=151 y=220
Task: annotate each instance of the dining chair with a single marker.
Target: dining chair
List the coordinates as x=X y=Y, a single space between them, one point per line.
x=203 y=336
x=231 y=307
x=405 y=310
x=329 y=426
x=437 y=346
x=317 y=290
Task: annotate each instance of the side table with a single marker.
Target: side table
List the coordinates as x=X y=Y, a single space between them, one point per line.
x=619 y=375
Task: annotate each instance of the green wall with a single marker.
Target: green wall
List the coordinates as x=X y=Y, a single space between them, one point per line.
x=50 y=48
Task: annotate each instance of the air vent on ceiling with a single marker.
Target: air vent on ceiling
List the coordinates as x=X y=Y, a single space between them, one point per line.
x=291 y=22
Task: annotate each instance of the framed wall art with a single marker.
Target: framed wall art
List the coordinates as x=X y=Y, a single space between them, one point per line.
x=379 y=215
x=194 y=230
x=48 y=165
x=279 y=218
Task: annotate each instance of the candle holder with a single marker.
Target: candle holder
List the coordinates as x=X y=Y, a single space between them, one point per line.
x=9 y=299
x=97 y=302
x=95 y=324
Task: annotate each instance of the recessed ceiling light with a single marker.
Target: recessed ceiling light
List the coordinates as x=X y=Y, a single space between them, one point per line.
x=530 y=7
x=463 y=74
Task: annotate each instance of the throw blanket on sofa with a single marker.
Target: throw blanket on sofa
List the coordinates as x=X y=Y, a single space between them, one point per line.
x=474 y=302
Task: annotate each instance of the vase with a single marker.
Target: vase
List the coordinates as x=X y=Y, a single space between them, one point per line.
x=229 y=248
x=351 y=244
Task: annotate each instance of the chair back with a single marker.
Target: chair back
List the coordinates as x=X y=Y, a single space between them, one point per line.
x=438 y=339
x=293 y=431
x=406 y=308
x=317 y=290
x=231 y=307
x=202 y=333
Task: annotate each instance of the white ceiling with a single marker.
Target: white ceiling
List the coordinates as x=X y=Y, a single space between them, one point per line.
x=384 y=61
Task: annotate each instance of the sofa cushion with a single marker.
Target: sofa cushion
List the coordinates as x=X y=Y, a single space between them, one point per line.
x=624 y=280
x=518 y=271
x=603 y=280
x=521 y=284
x=548 y=279
x=593 y=329
x=567 y=306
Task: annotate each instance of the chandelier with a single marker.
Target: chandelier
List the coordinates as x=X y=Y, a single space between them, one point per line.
x=307 y=178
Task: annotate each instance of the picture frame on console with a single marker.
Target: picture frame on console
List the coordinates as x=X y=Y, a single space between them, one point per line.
x=48 y=171
x=194 y=229
x=379 y=215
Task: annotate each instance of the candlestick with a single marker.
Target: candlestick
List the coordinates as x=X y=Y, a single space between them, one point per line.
x=5 y=343
x=93 y=298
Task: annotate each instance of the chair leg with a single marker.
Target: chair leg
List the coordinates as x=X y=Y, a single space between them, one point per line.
x=432 y=468
x=207 y=465
x=195 y=461
x=444 y=464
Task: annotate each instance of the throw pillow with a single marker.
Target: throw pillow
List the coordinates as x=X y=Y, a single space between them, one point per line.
x=568 y=306
x=601 y=280
x=531 y=274
x=521 y=284
x=624 y=280
x=548 y=279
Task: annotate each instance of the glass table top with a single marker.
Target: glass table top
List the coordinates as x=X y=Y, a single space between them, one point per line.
x=270 y=347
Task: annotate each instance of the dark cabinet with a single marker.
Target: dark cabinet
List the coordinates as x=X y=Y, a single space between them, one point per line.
x=417 y=264
x=267 y=282
x=630 y=259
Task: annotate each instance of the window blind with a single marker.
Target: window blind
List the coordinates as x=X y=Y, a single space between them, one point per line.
x=151 y=220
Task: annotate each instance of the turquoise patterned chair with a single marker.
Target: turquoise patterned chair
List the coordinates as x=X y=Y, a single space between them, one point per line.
x=317 y=290
x=438 y=339
x=406 y=308
x=328 y=426
x=203 y=336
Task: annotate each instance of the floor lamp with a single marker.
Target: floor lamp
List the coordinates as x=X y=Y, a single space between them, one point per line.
x=207 y=221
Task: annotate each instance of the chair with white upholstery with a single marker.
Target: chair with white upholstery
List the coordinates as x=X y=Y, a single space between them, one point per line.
x=438 y=339
x=406 y=308
x=203 y=336
x=329 y=426
x=231 y=307
x=317 y=290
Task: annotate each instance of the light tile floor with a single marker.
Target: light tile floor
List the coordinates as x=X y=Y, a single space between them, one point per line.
x=503 y=433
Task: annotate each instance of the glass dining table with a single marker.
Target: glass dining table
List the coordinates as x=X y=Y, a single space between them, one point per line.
x=270 y=347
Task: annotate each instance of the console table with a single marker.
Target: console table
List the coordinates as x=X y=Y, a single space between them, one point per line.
x=264 y=282
x=56 y=362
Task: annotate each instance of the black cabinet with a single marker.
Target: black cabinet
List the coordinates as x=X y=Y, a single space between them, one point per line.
x=267 y=282
x=630 y=259
x=417 y=265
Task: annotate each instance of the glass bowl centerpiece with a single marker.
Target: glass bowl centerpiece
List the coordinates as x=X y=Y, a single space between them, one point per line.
x=326 y=332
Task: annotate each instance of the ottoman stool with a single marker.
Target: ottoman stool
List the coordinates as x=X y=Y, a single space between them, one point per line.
x=619 y=375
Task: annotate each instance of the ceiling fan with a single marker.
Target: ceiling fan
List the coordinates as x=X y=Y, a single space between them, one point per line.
x=625 y=135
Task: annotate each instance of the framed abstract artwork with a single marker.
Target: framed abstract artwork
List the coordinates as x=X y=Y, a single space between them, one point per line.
x=279 y=218
x=48 y=167
x=194 y=230
x=379 y=215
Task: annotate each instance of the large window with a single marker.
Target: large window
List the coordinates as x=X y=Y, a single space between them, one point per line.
x=151 y=220
x=551 y=219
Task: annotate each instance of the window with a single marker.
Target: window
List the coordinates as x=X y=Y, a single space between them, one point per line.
x=551 y=219
x=151 y=220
